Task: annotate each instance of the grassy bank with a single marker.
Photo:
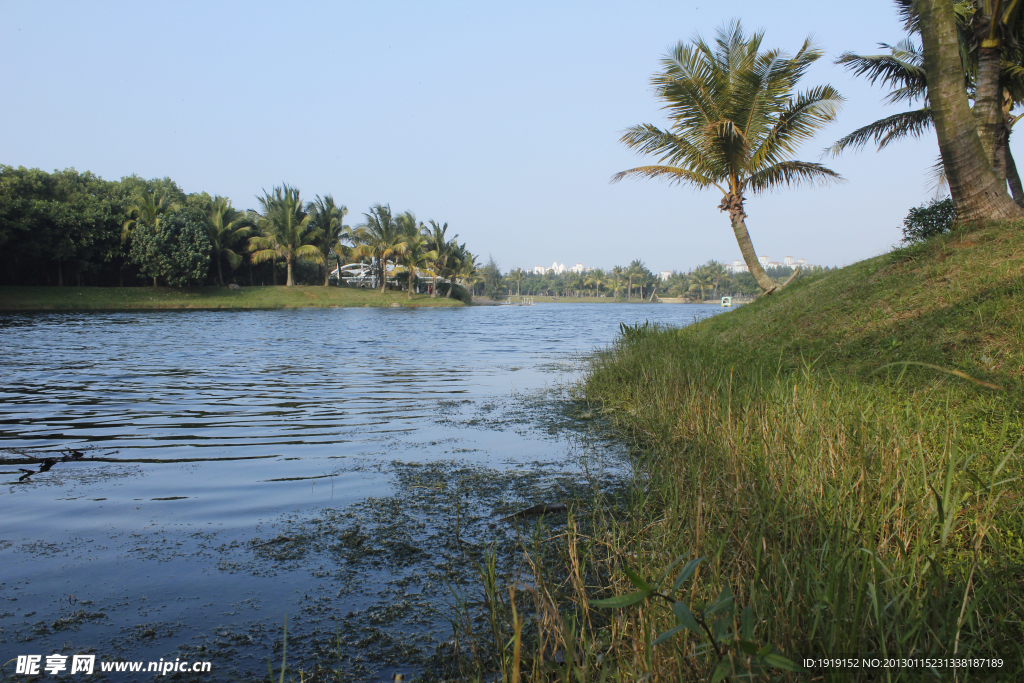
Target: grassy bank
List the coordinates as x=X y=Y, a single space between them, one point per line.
x=133 y=298
x=845 y=456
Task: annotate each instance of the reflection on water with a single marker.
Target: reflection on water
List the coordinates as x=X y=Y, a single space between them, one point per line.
x=245 y=465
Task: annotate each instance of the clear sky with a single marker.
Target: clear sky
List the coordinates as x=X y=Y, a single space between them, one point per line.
x=500 y=118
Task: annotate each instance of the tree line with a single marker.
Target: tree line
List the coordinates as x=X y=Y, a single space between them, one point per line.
x=634 y=282
x=75 y=228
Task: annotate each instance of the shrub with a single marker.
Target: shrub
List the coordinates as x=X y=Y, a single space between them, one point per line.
x=928 y=220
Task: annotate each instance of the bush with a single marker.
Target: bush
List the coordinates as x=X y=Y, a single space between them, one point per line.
x=178 y=251
x=928 y=220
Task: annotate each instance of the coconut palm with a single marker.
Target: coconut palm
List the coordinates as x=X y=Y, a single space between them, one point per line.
x=635 y=270
x=445 y=249
x=384 y=237
x=516 y=276
x=416 y=256
x=902 y=70
x=329 y=218
x=702 y=278
x=967 y=138
x=226 y=227
x=286 y=232
x=735 y=123
x=596 y=279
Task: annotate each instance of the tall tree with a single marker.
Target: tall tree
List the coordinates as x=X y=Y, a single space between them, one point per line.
x=977 y=190
x=226 y=227
x=516 y=276
x=445 y=250
x=383 y=235
x=735 y=122
x=147 y=209
x=286 y=231
x=328 y=218
x=416 y=256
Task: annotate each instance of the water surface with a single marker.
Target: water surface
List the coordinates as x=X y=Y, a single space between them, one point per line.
x=331 y=465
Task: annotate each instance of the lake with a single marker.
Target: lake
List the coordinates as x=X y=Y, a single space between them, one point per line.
x=327 y=466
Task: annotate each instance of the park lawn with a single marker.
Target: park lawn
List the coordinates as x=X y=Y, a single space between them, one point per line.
x=138 y=298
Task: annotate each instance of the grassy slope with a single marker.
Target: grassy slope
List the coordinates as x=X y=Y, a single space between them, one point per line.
x=120 y=298
x=954 y=302
x=852 y=510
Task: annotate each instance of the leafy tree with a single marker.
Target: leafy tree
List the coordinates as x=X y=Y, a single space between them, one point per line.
x=177 y=250
x=701 y=279
x=596 y=279
x=735 y=123
x=927 y=220
x=492 y=279
x=285 y=229
x=226 y=228
x=329 y=218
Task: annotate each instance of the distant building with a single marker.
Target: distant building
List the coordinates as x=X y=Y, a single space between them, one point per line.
x=664 y=275
x=738 y=267
x=766 y=262
x=539 y=270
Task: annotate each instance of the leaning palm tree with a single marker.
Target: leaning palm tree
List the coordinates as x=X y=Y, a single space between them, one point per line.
x=286 y=231
x=735 y=121
x=226 y=227
x=328 y=218
x=383 y=235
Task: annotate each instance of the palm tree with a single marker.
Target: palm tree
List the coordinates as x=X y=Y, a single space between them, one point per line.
x=965 y=137
x=702 y=278
x=226 y=226
x=147 y=209
x=328 y=218
x=596 y=279
x=735 y=123
x=636 y=269
x=469 y=268
x=286 y=231
x=516 y=276
x=383 y=235
x=902 y=70
x=417 y=255
x=445 y=250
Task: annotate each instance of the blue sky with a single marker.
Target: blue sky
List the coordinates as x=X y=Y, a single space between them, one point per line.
x=500 y=118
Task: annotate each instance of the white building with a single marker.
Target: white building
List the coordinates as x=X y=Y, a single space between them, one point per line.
x=664 y=275
x=539 y=270
x=738 y=267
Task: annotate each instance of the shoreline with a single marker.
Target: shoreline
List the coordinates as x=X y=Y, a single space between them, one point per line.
x=35 y=299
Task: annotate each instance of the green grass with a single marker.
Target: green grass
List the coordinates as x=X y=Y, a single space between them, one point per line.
x=134 y=298
x=851 y=492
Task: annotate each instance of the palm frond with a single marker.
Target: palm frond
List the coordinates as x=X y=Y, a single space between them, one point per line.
x=671 y=174
x=791 y=174
x=886 y=131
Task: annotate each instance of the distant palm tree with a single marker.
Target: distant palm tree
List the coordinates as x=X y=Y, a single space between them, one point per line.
x=735 y=122
x=516 y=276
x=383 y=235
x=635 y=270
x=328 y=218
x=286 y=231
x=226 y=227
x=596 y=279
x=445 y=249
x=702 y=278
x=417 y=255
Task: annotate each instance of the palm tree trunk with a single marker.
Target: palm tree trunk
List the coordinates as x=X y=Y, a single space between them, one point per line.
x=733 y=203
x=433 y=288
x=288 y=262
x=60 y=275
x=411 y=276
x=220 y=274
x=1012 y=177
x=988 y=110
x=977 y=192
